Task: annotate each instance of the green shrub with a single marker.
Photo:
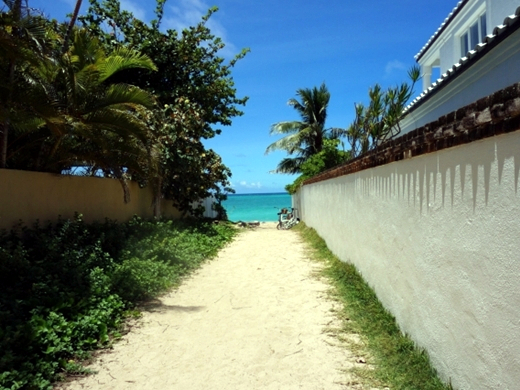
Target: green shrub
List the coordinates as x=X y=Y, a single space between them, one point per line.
x=65 y=287
x=138 y=279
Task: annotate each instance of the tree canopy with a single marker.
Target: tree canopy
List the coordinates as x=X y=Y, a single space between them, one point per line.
x=316 y=148
x=303 y=138
x=195 y=91
x=329 y=157
x=117 y=96
x=379 y=120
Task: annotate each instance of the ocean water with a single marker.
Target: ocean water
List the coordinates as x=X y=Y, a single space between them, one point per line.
x=256 y=207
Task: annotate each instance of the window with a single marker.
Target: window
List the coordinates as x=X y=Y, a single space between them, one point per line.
x=483 y=28
x=473 y=36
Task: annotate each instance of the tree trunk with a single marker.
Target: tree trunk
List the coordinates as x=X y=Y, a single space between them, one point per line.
x=71 y=25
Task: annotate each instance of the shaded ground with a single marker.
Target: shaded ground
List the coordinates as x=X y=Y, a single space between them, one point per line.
x=254 y=318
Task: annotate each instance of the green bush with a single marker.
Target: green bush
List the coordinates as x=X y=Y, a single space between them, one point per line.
x=137 y=279
x=65 y=287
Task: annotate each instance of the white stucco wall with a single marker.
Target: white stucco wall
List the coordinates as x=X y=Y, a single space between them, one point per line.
x=438 y=238
x=208 y=207
x=498 y=10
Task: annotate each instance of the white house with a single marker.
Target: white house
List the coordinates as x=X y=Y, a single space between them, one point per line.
x=477 y=52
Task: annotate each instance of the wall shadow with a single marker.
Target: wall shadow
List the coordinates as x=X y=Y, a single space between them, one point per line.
x=508 y=150
x=416 y=180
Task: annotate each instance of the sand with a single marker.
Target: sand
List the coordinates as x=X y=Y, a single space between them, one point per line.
x=255 y=317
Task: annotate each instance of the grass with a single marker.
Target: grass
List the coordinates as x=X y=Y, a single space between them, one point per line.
x=393 y=360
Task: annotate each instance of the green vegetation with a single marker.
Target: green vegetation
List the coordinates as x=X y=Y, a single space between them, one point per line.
x=66 y=288
x=313 y=144
x=329 y=157
x=305 y=137
x=379 y=121
x=118 y=97
x=394 y=360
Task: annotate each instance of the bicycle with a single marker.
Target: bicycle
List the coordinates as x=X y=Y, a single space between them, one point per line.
x=286 y=219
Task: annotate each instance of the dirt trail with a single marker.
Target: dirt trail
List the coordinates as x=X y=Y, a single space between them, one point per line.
x=253 y=318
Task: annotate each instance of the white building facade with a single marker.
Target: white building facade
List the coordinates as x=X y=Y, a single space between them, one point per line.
x=466 y=26
x=477 y=52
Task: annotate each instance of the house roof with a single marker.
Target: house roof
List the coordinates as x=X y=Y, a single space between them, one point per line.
x=501 y=32
x=442 y=27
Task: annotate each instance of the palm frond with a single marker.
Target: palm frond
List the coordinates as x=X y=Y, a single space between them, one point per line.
x=290 y=165
x=286 y=127
x=125 y=94
x=304 y=138
x=86 y=50
x=118 y=121
x=291 y=144
x=124 y=58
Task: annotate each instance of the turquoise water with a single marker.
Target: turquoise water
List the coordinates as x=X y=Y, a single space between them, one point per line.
x=256 y=207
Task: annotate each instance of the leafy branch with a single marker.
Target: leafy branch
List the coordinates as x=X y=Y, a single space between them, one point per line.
x=379 y=121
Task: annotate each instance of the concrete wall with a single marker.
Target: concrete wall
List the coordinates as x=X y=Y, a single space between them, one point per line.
x=437 y=237
x=32 y=195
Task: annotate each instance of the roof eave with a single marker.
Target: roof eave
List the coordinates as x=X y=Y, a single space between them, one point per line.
x=456 y=10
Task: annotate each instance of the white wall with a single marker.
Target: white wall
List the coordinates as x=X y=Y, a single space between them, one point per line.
x=446 y=50
x=438 y=238
x=497 y=70
x=208 y=207
x=498 y=10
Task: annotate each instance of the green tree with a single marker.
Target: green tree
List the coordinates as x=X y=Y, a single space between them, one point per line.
x=82 y=106
x=188 y=62
x=22 y=46
x=85 y=118
x=186 y=172
x=329 y=157
x=379 y=121
x=195 y=90
x=305 y=137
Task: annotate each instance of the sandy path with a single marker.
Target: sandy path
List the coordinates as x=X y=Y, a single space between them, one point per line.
x=253 y=318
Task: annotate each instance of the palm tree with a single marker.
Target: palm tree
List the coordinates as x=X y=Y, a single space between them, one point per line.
x=378 y=121
x=22 y=39
x=71 y=25
x=85 y=119
x=303 y=138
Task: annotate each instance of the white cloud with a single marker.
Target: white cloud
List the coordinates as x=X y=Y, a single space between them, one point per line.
x=133 y=7
x=186 y=13
x=246 y=184
x=394 y=65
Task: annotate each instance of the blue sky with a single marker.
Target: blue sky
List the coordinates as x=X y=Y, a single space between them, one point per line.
x=349 y=45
